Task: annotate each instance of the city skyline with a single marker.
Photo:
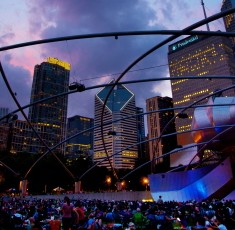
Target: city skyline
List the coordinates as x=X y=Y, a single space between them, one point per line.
x=100 y=60
x=85 y=55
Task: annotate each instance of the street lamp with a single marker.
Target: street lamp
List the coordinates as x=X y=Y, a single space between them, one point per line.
x=146 y=182
x=108 y=181
x=123 y=184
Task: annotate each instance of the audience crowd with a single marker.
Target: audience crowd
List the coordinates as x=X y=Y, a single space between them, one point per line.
x=31 y=213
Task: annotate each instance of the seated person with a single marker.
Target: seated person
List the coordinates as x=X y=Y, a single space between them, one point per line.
x=218 y=224
x=201 y=224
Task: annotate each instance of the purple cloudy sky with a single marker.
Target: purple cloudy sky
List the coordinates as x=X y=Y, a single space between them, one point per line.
x=94 y=61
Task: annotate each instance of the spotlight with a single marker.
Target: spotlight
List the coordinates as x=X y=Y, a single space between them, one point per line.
x=77 y=86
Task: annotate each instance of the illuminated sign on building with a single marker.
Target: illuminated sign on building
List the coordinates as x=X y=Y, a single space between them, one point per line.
x=183 y=43
x=56 y=61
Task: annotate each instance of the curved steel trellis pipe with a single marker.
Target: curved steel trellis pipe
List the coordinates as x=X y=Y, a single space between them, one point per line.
x=124 y=118
x=126 y=82
x=185 y=30
x=189 y=28
x=183 y=148
x=159 y=157
x=200 y=162
x=153 y=160
x=181 y=111
x=84 y=131
x=118 y=120
x=122 y=83
x=152 y=139
x=10 y=169
x=26 y=118
x=121 y=33
x=204 y=146
x=204 y=159
x=127 y=117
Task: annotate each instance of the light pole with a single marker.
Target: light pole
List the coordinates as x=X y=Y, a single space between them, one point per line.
x=108 y=181
x=146 y=182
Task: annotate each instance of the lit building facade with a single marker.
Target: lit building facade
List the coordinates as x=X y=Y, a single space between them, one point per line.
x=120 y=103
x=84 y=141
x=156 y=124
x=198 y=56
x=229 y=20
x=4 y=129
x=20 y=137
x=50 y=78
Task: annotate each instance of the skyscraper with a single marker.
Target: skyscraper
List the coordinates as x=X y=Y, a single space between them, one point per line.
x=3 y=111
x=50 y=78
x=156 y=124
x=22 y=139
x=141 y=133
x=84 y=141
x=120 y=103
x=198 y=56
x=229 y=20
x=4 y=129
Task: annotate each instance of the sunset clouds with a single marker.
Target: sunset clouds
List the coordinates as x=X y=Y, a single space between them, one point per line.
x=96 y=59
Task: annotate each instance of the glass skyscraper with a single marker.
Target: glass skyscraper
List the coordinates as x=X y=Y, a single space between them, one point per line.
x=120 y=103
x=4 y=129
x=229 y=20
x=84 y=141
x=4 y=112
x=141 y=133
x=50 y=78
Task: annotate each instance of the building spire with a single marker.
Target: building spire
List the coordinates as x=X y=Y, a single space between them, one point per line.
x=204 y=11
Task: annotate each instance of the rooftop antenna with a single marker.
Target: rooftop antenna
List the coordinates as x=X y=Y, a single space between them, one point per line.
x=204 y=11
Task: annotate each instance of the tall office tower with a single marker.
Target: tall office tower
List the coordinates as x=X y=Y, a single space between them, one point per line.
x=229 y=20
x=141 y=133
x=3 y=111
x=159 y=124
x=198 y=56
x=84 y=141
x=50 y=78
x=123 y=138
x=21 y=137
x=4 y=129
